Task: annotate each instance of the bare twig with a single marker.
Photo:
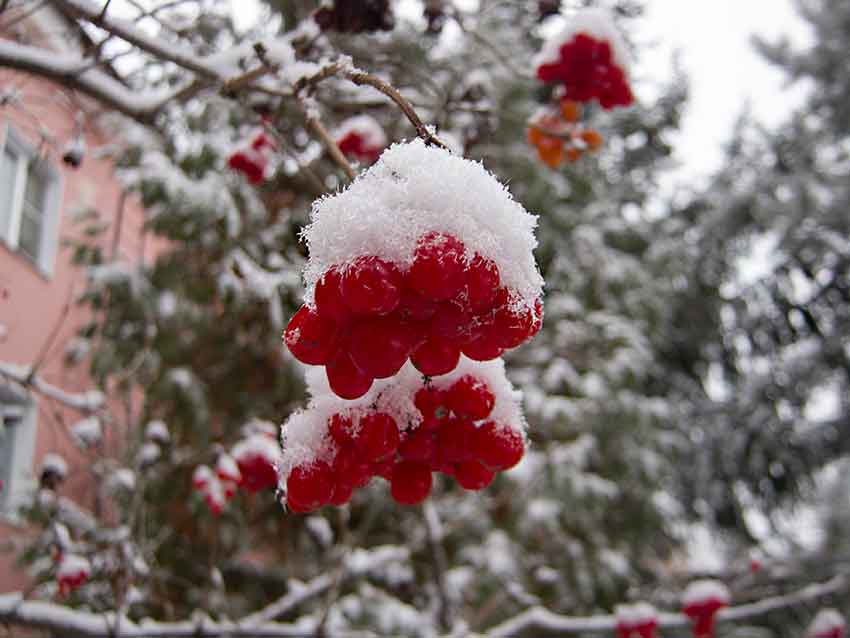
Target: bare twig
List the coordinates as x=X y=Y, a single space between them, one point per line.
x=433 y=535
x=51 y=337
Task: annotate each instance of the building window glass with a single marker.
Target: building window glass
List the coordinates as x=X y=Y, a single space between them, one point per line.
x=28 y=201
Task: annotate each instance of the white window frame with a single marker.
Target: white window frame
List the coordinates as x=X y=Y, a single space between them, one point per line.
x=19 y=479
x=31 y=161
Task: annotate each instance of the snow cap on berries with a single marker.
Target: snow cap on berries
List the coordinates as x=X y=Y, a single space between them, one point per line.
x=54 y=464
x=827 y=623
x=86 y=432
x=413 y=190
x=72 y=572
x=361 y=137
x=640 y=619
x=702 y=592
x=597 y=23
x=157 y=432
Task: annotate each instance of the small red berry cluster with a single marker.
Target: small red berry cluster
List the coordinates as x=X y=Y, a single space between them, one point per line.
x=72 y=572
x=636 y=621
x=252 y=160
x=357 y=145
x=370 y=316
x=587 y=70
x=251 y=465
x=455 y=436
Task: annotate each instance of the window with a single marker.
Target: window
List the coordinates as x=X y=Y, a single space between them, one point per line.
x=29 y=201
x=17 y=441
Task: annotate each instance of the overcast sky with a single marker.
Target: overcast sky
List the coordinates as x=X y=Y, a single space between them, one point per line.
x=713 y=39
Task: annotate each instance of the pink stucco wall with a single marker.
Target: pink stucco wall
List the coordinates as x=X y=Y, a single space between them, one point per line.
x=32 y=304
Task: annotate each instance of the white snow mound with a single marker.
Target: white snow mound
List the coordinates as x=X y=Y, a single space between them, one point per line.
x=414 y=189
x=826 y=622
x=701 y=591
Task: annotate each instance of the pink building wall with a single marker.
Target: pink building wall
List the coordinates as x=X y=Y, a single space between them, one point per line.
x=32 y=305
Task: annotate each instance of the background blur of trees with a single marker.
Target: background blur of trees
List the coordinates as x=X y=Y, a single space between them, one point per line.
x=671 y=388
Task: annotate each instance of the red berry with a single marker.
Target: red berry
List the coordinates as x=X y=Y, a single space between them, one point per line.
x=410 y=482
x=454 y=441
x=328 y=296
x=514 y=323
x=345 y=378
x=341 y=494
x=257 y=473
x=419 y=445
x=350 y=469
x=371 y=286
x=451 y=321
x=482 y=348
x=250 y=163
x=310 y=339
x=482 y=283
x=414 y=307
x=431 y=403
x=472 y=475
x=498 y=447
x=435 y=357
x=379 y=346
x=383 y=468
x=471 y=398
x=378 y=437
x=341 y=429
x=438 y=266
x=309 y=486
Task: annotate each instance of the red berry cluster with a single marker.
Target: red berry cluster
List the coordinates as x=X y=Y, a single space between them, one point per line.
x=642 y=629
x=355 y=144
x=370 y=316
x=454 y=437
x=72 y=573
x=702 y=614
x=587 y=71
x=253 y=159
x=251 y=467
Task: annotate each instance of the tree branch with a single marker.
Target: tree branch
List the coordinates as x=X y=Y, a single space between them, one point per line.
x=542 y=622
x=85 y=402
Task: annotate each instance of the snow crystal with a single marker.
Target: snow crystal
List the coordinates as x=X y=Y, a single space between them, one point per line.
x=87 y=432
x=149 y=453
x=414 y=189
x=55 y=464
x=304 y=434
x=157 y=431
x=704 y=590
x=257 y=445
x=122 y=480
x=367 y=127
x=597 y=23
x=227 y=469
x=826 y=622
x=72 y=565
x=635 y=614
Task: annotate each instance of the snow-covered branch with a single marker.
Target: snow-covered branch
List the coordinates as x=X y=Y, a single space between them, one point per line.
x=541 y=622
x=83 y=401
x=75 y=73
x=14 y=610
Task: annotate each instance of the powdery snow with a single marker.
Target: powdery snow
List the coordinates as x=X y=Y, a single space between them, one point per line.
x=55 y=464
x=636 y=614
x=597 y=23
x=157 y=431
x=87 y=432
x=257 y=445
x=701 y=591
x=305 y=434
x=827 y=622
x=414 y=189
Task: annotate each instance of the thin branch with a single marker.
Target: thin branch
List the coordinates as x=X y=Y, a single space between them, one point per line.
x=362 y=78
x=51 y=337
x=433 y=534
x=85 y=402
